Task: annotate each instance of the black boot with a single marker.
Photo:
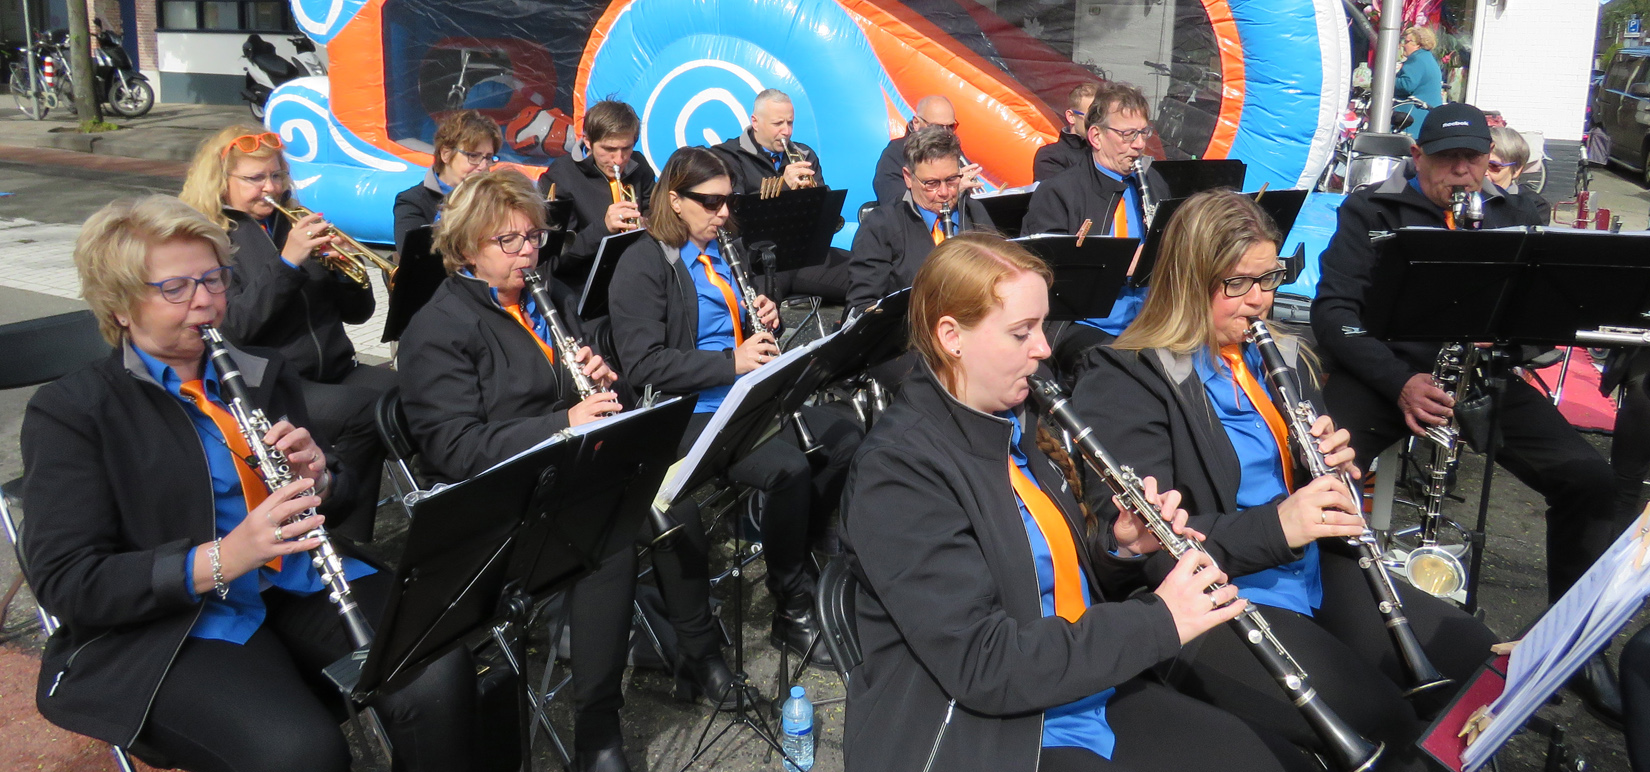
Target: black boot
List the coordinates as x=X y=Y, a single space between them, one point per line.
x=609 y=759
x=1599 y=691
x=708 y=676
x=796 y=628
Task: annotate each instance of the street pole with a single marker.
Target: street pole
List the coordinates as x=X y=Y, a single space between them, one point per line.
x=32 y=62
x=80 y=65
x=1386 y=66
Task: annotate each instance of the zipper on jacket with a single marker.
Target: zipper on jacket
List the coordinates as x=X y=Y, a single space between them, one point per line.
x=939 y=737
x=320 y=354
x=70 y=662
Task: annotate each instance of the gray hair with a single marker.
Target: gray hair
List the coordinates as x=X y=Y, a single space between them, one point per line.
x=1510 y=146
x=770 y=95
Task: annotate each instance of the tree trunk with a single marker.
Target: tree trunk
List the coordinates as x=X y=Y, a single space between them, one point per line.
x=80 y=63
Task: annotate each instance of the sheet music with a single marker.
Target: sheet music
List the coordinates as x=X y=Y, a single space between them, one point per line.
x=1578 y=626
x=574 y=432
x=682 y=470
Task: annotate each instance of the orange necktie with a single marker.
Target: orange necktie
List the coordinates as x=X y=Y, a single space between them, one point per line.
x=1449 y=219
x=1120 y=219
x=521 y=316
x=252 y=486
x=1068 y=577
x=1274 y=420
x=938 y=233
x=720 y=283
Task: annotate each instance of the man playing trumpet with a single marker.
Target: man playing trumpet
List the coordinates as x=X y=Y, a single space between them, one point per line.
x=610 y=188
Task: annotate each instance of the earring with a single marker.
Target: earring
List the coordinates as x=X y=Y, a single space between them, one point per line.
x=956 y=352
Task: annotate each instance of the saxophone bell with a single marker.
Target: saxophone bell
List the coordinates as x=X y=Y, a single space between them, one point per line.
x=1466 y=208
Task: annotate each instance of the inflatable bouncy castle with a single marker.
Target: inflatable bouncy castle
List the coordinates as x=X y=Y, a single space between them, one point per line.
x=1256 y=80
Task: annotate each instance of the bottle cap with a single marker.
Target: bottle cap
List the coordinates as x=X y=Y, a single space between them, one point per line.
x=798 y=692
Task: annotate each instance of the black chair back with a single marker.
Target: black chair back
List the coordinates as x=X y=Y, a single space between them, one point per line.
x=43 y=350
x=392 y=426
x=835 y=602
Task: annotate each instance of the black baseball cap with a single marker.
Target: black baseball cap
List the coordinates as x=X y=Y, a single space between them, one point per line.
x=1455 y=125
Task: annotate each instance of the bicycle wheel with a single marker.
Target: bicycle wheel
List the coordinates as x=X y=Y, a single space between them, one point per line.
x=28 y=101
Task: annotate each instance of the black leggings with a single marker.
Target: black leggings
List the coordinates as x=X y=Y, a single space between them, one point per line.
x=1351 y=660
x=1159 y=730
x=264 y=705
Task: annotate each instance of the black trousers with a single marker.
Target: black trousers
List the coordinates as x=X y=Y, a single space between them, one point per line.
x=1635 y=699
x=601 y=610
x=801 y=492
x=1538 y=447
x=1159 y=730
x=1350 y=658
x=265 y=705
x=344 y=417
x=1630 y=450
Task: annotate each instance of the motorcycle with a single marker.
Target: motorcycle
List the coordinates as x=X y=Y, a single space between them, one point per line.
x=266 y=69
x=119 y=84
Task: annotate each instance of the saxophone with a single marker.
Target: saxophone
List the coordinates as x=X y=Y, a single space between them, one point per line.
x=273 y=467
x=1466 y=207
x=1300 y=414
x=1432 y=568
x=567 y=346
x=1350 y=751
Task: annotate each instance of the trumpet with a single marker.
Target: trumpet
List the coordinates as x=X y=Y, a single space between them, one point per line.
x=1300 y=415
x=273 y=467
x=1148 y=202
x=623 y=192
x=1466 y=207
x=352 y=258
x=567 y=346
x=1350 y=751
x=794 y=155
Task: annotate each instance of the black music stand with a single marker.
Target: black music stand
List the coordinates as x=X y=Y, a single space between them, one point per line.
x=877 y=335
x=418 y=274
x=789 y=231
x=593 y=301
x=1007 y=209
x=1507 y=286
x=1283 y=206
x=1087 y=277
x=1186 y=178
x=479 y=552
x=558 y=212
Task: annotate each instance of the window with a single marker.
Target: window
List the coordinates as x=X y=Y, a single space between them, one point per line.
x=227 y=15
x=1620 y=72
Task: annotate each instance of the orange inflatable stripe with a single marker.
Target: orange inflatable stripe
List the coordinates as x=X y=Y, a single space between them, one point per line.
x=598 y=36
x=1232 y=78
x=358 y=101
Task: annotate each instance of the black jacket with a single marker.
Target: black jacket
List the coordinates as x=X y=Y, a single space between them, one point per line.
x=1151 y=411
x=948 y=609
x=892 y=243
x=655 y=313
x=587 y=186
x=119 y=491
x=1346 y=264
x=751 y=164
x=889 y=182
x=1061 y=154
x=416 y=207
x=475 y=384
x=300 y=312
x=1061 y=203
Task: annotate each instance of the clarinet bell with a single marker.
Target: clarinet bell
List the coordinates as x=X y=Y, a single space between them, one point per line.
x=665 y=529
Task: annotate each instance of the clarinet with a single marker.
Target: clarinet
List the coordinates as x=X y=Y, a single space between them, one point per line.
x=1148 y=202
x=946 y=226
x=1300 y=414
x=273 y=467
x=1350 y=751
x=742 y=280
x=566 y=345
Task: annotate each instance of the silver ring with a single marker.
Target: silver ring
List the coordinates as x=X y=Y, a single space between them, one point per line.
x=310 y=234
x=278 y=536
x=1323 y=518
x=1213 y=604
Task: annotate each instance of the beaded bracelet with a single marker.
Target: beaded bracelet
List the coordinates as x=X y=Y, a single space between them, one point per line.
x=217 y=570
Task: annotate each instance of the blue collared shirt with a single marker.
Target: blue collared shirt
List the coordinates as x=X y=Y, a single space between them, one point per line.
x=1297 y=586
x=1131 y=298
x=929 y=218
x=529 y=306
x=715 y=331
x=1080 y=724
x=237 y=617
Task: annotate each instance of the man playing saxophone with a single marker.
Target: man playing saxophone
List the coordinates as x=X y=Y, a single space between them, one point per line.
x=605 y=201
x=1382 y=392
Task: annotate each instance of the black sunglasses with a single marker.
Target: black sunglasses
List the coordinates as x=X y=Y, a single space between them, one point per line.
x=712 y=202
x=1238 y=286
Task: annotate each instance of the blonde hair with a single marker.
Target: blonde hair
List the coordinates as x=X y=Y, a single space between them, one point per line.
x=207 y=183
x=111 y=254
x=1208 y=235
x=959 y=279
x=478 y=206
x=1423 y=37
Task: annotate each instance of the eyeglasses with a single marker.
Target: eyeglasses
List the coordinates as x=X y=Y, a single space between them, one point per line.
x=1078 y=113
x=479 y=159
x=248 y=143
x=1238 y=286
x=1129 y=135
x=1499 y=165
x=933 y=185
x=712 y=202
x=179 y=289
x=512 y=243
x=258 y=180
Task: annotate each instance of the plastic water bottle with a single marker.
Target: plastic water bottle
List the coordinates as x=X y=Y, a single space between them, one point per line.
x=796 y=722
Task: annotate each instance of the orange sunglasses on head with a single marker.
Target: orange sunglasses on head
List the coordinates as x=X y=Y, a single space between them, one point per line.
x=248 y=143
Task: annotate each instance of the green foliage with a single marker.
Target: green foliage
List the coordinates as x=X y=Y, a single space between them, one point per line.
x=97 y=126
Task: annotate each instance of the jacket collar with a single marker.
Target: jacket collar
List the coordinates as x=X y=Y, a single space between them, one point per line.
x=1075 y=141
x=252 y=367
x=982 y=434
x=476 y=290
x=747 y=143
x=432 y=183
x=1180 y=367
x=1397 y=188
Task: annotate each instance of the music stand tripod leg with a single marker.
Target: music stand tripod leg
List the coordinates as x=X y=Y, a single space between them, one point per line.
x=1495 y=383
x=513 y=648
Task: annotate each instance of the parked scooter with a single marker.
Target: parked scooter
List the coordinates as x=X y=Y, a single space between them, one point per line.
x=266 y=69
x=119 y=84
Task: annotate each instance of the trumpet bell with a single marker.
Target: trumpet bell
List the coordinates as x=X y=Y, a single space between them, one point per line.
x=1435 y=571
